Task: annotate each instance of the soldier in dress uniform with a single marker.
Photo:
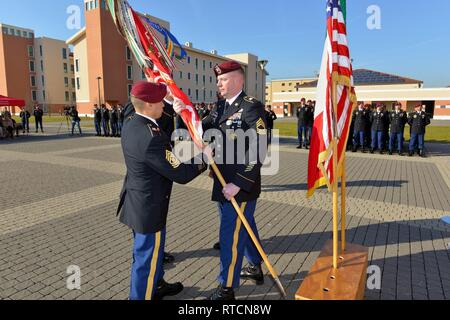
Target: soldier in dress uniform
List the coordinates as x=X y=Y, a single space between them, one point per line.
x=144 y=202
x=379 y=120
x=398 y=119
x=418 y=120
x=235 y=114
x=98 y=120
x=303 y=114
x=361 y=118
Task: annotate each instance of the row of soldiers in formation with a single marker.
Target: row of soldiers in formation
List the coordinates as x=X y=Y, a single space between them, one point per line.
x=108 y=122
x=374 y=128
x=381 y=130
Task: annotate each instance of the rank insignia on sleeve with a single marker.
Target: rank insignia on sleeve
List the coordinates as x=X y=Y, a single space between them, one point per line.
x=261 y=127
x=174 y=162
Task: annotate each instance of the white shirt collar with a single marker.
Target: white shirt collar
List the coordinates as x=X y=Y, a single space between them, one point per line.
x=232 y=100
x=147 y=117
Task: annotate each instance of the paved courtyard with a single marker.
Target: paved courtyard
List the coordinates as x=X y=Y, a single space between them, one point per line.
x=59 y=196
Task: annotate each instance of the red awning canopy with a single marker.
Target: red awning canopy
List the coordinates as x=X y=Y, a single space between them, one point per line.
x=11 y=102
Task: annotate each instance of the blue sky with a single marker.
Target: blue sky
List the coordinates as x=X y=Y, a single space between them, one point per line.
x=414 y=39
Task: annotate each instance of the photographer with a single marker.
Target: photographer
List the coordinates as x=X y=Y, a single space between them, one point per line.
x=38 y=114
x=75 y=119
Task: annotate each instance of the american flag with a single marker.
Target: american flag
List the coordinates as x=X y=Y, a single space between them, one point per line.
x=336 y=78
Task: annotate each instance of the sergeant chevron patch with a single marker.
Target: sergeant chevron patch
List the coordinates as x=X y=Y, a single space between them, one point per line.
x=261 y=127
x=174 y=162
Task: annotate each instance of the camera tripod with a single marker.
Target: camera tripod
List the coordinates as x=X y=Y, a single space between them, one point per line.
x=68 y=124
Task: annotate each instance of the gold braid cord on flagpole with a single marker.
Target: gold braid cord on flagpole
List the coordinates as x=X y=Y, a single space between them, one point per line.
x=249 y=230
x=335 y=179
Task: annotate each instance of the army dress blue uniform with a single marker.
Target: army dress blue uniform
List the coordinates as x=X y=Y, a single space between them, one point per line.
x=303 y=114
x=418 y=120
x=379 y=120
x=397 y=120
x=144 y=202
x=242 y=114
x=361 y=122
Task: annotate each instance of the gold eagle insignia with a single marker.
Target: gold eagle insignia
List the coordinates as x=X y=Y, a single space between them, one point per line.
x=174 y=162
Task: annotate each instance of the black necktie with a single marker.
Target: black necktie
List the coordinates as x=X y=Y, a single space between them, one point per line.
x=227 y=106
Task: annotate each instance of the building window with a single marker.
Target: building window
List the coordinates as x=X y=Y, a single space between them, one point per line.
x=34 y=95
x=196 y=79
x=42 y=66
x=25 y=34
x=32 y=66
x=129 y=72
x=31 y=35
x=43 y=95
x=210 y=79
x=33 y=81
x=78 y=83
x=5 y=30
x=189 y=60
x=128 y=54
x=66 y=82
x=196 y=63
x=76 y=65
x=73 y=83
x=67 y=95
x=130 y=86
x=40 y=51
x=72 y=68
x=256 y=73
x=204 y=95
x=283 y=84
x=189 y=76
x=64 y=53
x=31 y=51
x=18 y=33
x=196 y=95
x=210 y=65
x=204 y=65
x=181 y=74
x=74 y=96
x=65 y=67
x=204 y=80
x=189 y=92
x=43 y=81
x=87 y=6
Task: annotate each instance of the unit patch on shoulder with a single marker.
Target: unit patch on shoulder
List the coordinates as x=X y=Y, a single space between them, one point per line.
x=261 y=127
x=174 y=162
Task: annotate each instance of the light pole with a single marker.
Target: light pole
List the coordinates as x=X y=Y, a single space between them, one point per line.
x=262 y=65
x=98 y=84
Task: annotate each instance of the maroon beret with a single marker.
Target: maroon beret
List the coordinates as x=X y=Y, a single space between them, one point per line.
x=149 y=92
x=227 y=67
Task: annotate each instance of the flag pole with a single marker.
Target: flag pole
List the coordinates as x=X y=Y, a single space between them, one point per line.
x=335 y=180
x=249 y=230
x=343 y=212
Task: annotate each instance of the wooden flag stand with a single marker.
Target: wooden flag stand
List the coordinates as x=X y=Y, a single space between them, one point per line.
x=337 y=276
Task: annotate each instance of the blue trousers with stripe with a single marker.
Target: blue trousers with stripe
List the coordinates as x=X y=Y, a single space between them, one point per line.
x=147 y=268
x=235 y=243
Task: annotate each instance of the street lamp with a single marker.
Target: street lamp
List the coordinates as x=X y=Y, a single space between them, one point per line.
x=262 y=65
x=98 y=84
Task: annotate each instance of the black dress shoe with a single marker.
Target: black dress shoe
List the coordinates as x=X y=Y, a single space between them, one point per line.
x=390 y=153
x=165 y=289
x=299 y=147
x=410 y=154
x=222 y=294
x=217 y=246
x=400 y=153
x=371 y=151
x=253 y=273
x=168 y=258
